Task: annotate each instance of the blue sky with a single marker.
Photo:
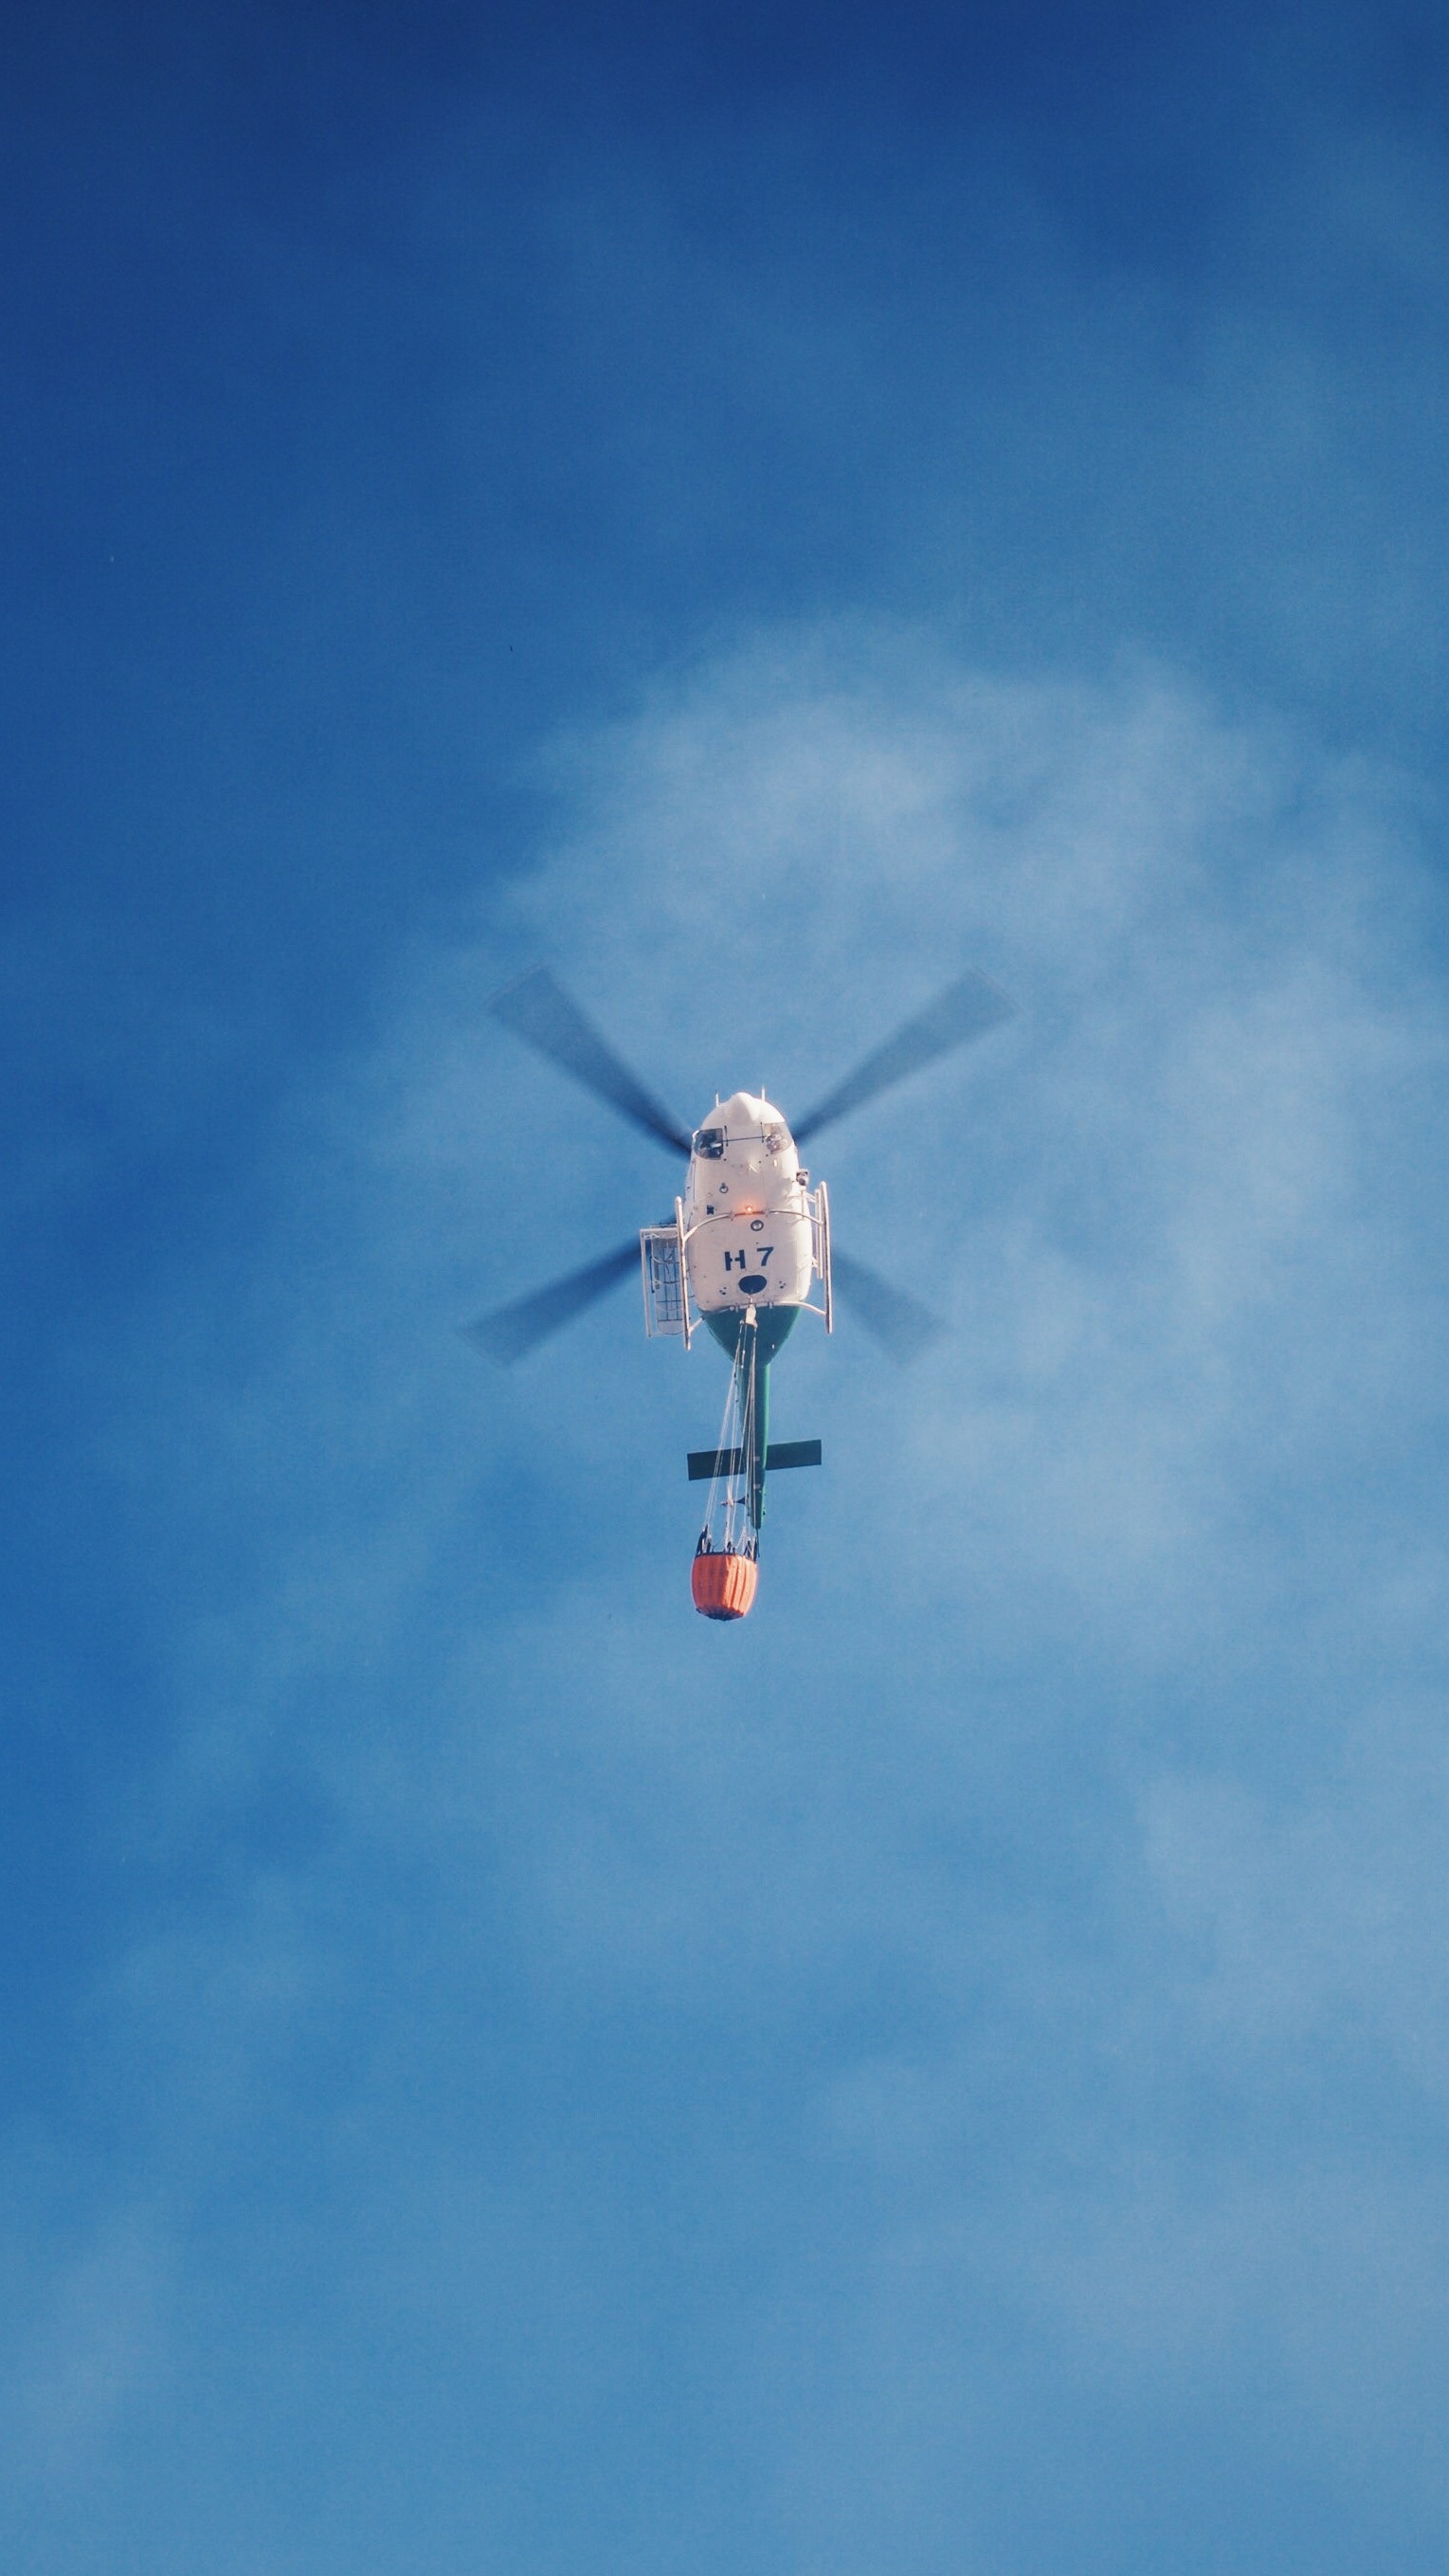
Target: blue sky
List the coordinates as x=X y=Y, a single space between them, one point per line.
x=762 y=510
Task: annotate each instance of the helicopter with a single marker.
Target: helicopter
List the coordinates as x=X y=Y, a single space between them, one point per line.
x=748 y=1240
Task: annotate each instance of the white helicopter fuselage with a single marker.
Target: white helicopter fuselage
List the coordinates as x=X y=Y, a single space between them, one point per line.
x=749 y=1229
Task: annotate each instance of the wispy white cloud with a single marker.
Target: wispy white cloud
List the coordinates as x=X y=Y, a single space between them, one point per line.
x=1091 y=1707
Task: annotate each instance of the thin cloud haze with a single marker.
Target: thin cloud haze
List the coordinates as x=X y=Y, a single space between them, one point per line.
x=1058 y=1801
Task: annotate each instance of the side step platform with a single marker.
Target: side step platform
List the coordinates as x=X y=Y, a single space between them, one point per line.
x=706 y=1464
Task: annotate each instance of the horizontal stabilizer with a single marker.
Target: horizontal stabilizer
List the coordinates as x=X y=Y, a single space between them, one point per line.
x=706 y=1464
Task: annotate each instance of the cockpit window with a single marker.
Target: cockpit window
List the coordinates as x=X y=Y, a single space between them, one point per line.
x=774 y=1138
x=711 y=1143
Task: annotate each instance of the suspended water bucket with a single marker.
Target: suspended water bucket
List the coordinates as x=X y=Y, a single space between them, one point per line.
x=723 y=1584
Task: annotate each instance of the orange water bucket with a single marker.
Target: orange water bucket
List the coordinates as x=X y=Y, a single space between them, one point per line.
x=724 y=1585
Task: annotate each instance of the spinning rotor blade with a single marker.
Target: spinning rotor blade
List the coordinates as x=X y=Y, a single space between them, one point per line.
x=964 y=1011
x=905 y=1328
x=539 y=1011
x=511 y=1332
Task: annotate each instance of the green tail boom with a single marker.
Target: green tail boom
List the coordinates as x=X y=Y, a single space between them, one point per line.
x=752 y=1343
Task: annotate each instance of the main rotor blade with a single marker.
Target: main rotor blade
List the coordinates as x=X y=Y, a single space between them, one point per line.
x=511 y=1332
x=905 y=1328
x=964 y=1011
x=540 y=1011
